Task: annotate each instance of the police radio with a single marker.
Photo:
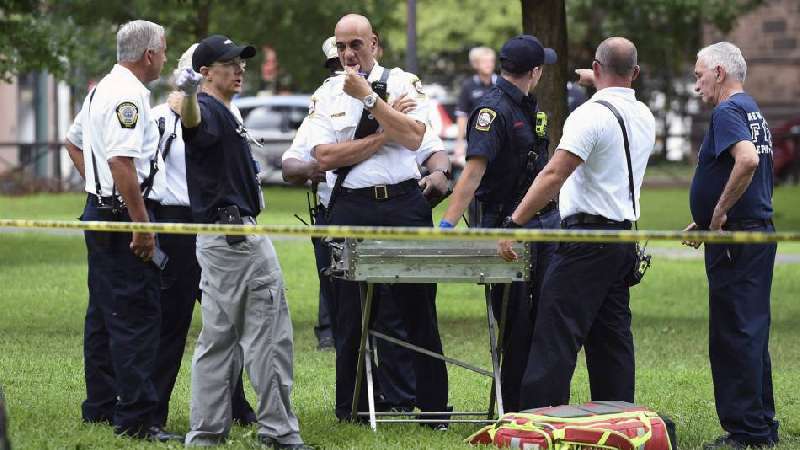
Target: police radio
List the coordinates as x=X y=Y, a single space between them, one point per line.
x=541 y=124
x=380 y=88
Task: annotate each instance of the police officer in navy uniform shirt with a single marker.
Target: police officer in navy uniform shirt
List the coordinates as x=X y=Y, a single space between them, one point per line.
x=505 y=153
x=732 y=190
x=119 y=141
x=381 y=189
x=585 y=298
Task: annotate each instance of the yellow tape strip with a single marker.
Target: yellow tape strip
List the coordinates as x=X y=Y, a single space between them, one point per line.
x=412 y=233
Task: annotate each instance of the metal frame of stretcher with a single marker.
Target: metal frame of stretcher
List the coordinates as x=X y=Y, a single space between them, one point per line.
x=383 y=261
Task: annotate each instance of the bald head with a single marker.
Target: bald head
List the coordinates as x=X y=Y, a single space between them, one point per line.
x=355 y=42
x=618 y=56
x=354 y=23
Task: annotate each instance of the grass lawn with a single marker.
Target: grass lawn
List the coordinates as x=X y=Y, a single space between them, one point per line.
x=43 y=299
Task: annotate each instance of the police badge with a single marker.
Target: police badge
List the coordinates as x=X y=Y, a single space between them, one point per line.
x=127 y=114
x=485 y=118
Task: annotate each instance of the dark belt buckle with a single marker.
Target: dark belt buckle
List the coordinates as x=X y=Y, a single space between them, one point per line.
x=381 y=192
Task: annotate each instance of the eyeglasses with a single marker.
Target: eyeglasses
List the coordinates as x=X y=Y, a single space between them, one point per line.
x=598 y=62
x=236 y=62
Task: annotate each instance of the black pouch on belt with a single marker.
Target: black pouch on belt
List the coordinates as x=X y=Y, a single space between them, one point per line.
x=230 y=215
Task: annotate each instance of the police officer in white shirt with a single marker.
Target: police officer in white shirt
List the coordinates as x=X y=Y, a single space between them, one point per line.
x=380 y=189
x=119 y=139
x=585 y=296
x=180 y=279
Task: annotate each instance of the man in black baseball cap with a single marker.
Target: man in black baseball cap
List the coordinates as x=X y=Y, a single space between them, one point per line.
x=219 y=48
x=508 y=147
x=242 y=325
x=524 y=52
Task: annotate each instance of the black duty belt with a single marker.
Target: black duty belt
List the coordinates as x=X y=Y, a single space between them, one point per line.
x=593 y=219
x=172 y=213
x=746 y=224
x=384 y=191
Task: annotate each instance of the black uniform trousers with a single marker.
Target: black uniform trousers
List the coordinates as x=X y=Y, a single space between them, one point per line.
x=523 y=299
x=180 y=289
x=322 y=256
x=416 y=303
x=739 y=283
x=394 y=366
x=584 y=302
x=121 y=331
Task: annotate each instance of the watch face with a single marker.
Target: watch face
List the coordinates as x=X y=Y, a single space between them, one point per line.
x=369 y=101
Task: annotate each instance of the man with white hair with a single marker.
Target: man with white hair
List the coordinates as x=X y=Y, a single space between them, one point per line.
x=732 y=190
x=180 y=279
x=116 y=130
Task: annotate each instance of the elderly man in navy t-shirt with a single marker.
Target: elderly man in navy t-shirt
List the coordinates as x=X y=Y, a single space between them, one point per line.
x=732 y=190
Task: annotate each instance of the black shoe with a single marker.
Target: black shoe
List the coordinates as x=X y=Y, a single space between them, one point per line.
x=325 y=343
x=154 y=433
x=272 y=443
x=246 y=419
x=158 y=434
x=727 y=442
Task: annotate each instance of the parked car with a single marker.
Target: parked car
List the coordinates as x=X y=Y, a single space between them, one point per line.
x=786 y=152
x=273 y=121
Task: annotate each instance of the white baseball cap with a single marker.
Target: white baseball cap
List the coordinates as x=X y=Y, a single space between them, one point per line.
x=329 y=48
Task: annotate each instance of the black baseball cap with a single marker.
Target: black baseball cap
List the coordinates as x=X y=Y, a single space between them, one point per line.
x=526 y=52
x=219 y=48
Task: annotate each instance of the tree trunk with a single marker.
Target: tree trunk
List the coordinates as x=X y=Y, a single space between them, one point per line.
x=203 y=8
x=547 y=20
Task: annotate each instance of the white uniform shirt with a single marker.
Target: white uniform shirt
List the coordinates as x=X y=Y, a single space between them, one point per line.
x=117 y=123
x=175 y=192
x=600 y=185
x=335 y=116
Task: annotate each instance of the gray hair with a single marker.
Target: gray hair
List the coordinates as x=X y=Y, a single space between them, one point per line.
x=136 y=37
x=185 y=62
x=479 y=52
x=727 y=56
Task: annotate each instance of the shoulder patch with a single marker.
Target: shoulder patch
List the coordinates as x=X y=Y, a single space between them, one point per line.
x=485 y=118
x=127 y=114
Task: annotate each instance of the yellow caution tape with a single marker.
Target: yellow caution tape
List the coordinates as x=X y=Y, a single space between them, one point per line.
x=413 y=233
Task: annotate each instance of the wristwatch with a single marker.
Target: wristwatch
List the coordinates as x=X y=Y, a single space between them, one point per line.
x=370 y=100
x=508 y=222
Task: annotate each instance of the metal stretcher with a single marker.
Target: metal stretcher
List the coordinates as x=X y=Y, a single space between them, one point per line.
x=386 y=261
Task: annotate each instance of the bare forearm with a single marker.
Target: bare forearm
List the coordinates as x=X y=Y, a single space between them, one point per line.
x=296 y=171
x=399 y=127
x=76 y=155
x=740 y=179
x=333 y=156
x=465 y=190
x=190 y=111
x=123 y=172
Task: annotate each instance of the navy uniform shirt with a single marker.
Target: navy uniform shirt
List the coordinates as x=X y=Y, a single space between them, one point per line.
x=219 y=166
x=502 y=130
x=472 y=89
x=732 y=121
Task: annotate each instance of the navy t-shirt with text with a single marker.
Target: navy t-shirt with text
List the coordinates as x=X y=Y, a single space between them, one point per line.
x=732 y=121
